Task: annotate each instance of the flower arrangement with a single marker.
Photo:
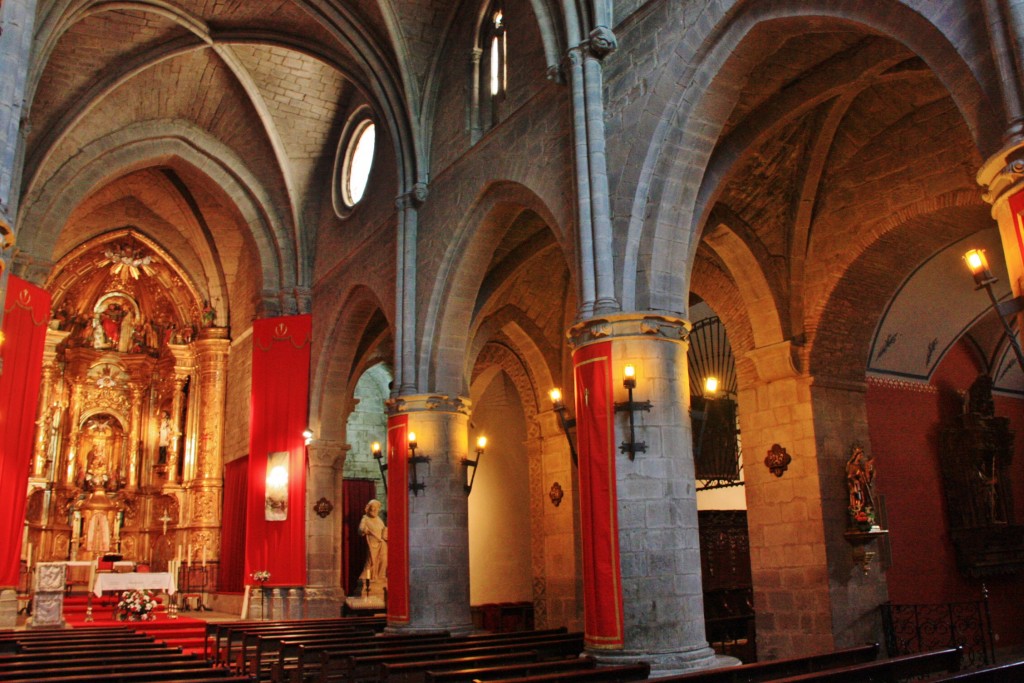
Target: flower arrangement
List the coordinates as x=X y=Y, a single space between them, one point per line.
x=261 y=576
x=136 y=605
x=863 y=518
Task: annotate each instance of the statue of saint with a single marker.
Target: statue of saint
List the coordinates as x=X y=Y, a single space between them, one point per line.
x=372 y=527
x=860 y=477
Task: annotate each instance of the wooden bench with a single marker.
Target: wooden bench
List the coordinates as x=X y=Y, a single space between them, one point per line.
x=355 y=666
x=1012 y=672
x=233 y=632
x=254 y=646
x=604 y=674
x=766 y=671
x=488 y=673
x=413 y=672
x=160 y=660
x=104 y=670
x=296 y=654
x=300 y=661
x=888 y=670
x=98 y=653
x=217 y=630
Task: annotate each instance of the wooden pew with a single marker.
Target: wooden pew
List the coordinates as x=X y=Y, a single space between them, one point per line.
x=413 y=672
x=233 y=630
x=236 y=637
x=209 y=675
x=766 y=671
x=167 y=659
x=292 y=651
x=356 y=666
x=99 y=653
x=487 y=673
x=217 y=630
x=1012 y=672
x=887 y=670
x=105 y=670
x=108 y=646
x=9 y=640
x=301 y=660
x=254 y=645
x=603 y=674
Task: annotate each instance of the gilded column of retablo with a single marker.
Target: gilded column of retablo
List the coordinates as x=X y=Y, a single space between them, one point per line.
x=205 y=488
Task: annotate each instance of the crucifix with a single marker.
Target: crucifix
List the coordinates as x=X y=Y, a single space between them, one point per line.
x=165 y=519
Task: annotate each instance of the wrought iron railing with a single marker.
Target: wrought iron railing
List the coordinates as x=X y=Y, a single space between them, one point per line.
x=923 y=627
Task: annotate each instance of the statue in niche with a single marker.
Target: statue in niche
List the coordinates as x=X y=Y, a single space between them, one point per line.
x=372 y=527
x=165 y=436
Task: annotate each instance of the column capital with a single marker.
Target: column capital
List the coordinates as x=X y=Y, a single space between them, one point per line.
x=327 y=452
x=602 y=42
x=650 y=325
x=1002 y=173
x=438 y=403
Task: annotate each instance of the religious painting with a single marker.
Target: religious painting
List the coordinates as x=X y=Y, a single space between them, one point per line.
x=99 y=453
x=277 y=487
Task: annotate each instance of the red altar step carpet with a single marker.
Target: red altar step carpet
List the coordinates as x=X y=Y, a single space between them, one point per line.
x=184 y=632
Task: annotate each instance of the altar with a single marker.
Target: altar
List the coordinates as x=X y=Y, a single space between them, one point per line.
x=126 y=581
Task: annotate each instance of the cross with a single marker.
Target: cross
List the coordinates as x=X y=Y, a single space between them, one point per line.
x=166 y=518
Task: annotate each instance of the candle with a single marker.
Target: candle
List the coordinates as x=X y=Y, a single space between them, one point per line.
x=177 y=557
x=188 y=555
x=30 y=554
x=204 y=555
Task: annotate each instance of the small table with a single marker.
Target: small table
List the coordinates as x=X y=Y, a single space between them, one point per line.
x=157 y=581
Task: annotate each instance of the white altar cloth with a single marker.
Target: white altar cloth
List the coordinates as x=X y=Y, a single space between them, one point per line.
x=156 y=581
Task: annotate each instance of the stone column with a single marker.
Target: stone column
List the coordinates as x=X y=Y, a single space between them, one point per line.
x=205 y=488
x=438 y=531
x=324 y=596
x=558 y=585
x=174 y=447
x=653 y=493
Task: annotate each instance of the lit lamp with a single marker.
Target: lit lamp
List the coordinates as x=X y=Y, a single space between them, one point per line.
x=710 y=386
x=415 y=485
x=563 y=419
x=307 y=435
x=378 y=455
x=983 y=279
x=481 y=443
x=632 y=447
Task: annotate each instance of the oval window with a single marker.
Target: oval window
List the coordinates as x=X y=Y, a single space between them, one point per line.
x=358 y=160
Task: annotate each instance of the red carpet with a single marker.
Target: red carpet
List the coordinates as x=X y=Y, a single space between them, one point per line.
x=184 y=632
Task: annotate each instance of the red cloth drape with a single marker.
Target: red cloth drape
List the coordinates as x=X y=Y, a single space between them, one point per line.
x=355 y=494
x=602 y=578
x=1017 y=210
x=231 y=578
x=280 y=400
x=398 y=519
x=26 y=312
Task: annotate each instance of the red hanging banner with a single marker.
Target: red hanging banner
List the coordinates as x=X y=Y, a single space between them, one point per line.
x=1017 y=210
x=276 y=511
x=602 y=579
x=26 y=312
x=398 y=520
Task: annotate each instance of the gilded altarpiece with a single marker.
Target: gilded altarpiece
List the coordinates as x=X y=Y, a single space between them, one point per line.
x=128 y=450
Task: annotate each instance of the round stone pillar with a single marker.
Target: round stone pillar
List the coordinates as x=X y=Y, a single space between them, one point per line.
x=211 y=351
x=428 y=515
x=637 y=491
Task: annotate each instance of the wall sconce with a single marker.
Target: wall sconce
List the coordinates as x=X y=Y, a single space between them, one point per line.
x=629 y=381
x=378 y=455
x=983 y=279
x=276 y=497
x=564 y=420
x=481 y=443
x=777 y=460
x=307 y=434
x=415 y=485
